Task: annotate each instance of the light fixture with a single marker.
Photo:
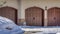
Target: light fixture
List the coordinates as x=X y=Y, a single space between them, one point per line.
x=2 y=2
x=45 y=7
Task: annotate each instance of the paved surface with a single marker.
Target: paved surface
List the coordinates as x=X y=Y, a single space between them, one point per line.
x=33 y=33
x=39 y=33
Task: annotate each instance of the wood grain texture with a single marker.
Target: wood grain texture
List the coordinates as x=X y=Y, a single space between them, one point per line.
x=54 y=16
x=9 y=13
x=34 y=16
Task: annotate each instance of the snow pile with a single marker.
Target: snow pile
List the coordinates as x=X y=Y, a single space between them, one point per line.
x=9 y=27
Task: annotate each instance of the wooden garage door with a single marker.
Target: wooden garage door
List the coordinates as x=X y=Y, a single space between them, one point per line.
x=54 y=16
x=34 y=16
x=9 y=12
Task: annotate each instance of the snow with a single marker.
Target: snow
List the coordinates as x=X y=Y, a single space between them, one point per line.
x=58 y=33
x=7 y=26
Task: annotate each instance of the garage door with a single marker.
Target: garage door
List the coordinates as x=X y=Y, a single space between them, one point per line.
x=54 y=16
x=9 y=12
x=34 y=16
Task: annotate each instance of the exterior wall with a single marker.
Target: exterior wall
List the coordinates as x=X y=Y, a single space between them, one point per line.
x=11 y=3
x=38 y=3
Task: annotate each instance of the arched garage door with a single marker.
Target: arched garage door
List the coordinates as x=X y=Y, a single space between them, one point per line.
x=9 y=12
x=54 y=16
x=34 y=16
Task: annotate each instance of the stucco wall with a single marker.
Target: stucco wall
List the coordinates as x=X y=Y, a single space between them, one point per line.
x=11 y=3
x=38 y=3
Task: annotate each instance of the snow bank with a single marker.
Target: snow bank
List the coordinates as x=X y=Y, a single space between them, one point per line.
x=9 y=27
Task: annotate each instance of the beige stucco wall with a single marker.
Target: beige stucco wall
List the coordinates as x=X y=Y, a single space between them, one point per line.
x=38 y=3
x=11 y=3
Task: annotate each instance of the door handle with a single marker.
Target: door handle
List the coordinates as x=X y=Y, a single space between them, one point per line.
x=54 y=18
x=33 y=18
